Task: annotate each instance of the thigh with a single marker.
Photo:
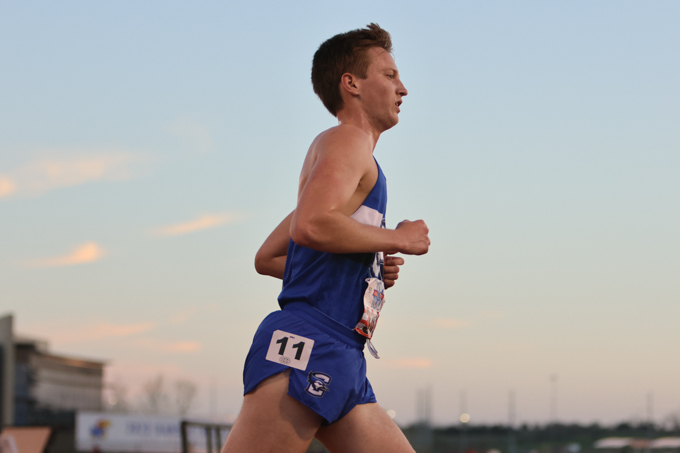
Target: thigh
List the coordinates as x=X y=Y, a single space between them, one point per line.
x=366 y=428
x=272 y=421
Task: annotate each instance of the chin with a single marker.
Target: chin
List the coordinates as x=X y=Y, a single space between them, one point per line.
x=389 y=126
x=389 y=123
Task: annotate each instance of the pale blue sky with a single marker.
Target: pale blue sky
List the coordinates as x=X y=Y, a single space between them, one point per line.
x=539 y=141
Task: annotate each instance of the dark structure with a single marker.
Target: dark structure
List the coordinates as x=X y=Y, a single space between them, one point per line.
x=40 y=388
x=50 y=388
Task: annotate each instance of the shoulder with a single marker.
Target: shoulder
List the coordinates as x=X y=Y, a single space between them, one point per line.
x=344 y=139
x=340 y=153
x=344 y=145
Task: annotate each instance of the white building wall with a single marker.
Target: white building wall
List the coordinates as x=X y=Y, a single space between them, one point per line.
x=58 y=386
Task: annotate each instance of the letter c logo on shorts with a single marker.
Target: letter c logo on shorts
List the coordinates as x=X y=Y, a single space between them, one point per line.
x=318 y=383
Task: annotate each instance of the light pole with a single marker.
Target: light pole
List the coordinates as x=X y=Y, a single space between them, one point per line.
x=553 y=398
x=464 y=419
x=512 y=442
x=650 y=421
x=553 y=410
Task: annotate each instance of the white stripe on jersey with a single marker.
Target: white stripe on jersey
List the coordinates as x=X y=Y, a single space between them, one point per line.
x=368 y=216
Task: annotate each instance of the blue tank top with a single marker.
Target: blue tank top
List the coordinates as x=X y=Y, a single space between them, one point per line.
x=335 y=283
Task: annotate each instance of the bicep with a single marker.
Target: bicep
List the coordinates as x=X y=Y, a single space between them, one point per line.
x=331 y=183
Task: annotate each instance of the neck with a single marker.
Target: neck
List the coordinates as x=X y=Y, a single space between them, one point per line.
x=359 y=120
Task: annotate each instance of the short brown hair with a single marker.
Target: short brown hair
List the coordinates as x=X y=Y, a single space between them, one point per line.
x=345 y=53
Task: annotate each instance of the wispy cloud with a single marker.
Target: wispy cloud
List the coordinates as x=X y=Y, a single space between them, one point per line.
x=158 y=345
x=204 y=222
x=411 y=362
x=7 y=186
x=451 y=323
x=133 y=334
x=45 y=174
x=85 y=253
x=184 y=346
x=196 y=134
x=99 y=331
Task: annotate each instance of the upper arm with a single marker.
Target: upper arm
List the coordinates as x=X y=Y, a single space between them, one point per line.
x=341 y=163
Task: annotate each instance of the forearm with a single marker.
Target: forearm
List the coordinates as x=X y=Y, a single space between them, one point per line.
x=335 y=232
x=271 y=257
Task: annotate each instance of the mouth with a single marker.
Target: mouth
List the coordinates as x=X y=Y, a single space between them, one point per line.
x=398 y=103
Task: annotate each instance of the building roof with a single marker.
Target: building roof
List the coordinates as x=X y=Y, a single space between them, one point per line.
x=42 y=347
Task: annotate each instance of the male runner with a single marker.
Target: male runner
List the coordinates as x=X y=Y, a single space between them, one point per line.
x=305 y=375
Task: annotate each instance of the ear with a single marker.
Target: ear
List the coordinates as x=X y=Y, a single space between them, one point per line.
x=350 y=84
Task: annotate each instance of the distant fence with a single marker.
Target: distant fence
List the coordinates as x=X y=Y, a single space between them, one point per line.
x=201 y=437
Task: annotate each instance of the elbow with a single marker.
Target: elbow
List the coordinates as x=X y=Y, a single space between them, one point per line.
x=260 y=264
x=301 y=237
x=302 y=233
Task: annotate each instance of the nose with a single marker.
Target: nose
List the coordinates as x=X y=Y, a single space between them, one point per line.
x=401 y=89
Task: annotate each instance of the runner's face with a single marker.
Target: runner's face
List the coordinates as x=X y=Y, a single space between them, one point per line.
x=382 y=90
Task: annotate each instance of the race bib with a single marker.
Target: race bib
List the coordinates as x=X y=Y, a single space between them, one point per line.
x=290 y=350
x=374 y=298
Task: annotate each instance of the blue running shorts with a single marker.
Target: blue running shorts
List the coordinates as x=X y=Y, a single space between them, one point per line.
x=325 y=358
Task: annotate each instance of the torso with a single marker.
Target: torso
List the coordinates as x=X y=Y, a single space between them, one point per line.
x=335 y=284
